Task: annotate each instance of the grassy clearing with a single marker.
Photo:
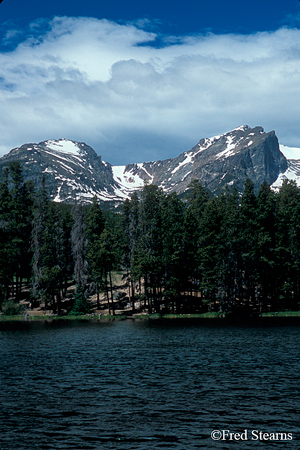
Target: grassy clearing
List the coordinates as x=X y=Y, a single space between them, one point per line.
x=208 y=315
x=4 y=318
x=281 y=314
x=33 y=318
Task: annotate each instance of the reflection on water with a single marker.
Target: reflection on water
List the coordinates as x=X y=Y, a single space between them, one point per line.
x=129 y=385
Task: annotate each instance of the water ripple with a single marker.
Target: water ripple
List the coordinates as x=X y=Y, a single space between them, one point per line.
x=141 y=386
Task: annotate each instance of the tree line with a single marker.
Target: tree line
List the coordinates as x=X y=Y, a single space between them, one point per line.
x=228 y=252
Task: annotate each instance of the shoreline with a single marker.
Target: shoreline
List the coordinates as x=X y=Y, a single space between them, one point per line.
x=207 y=317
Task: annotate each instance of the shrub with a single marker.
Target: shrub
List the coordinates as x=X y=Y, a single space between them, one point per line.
x=81 y=305
x=11 y=308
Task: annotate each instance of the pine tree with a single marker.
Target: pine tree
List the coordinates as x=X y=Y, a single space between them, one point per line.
x=6 y=251
x=150 y=244
x=287 y=247
x=107 y=260
x=40 y=211
x=81 y=305
x=248 y=244
x=95 y=223
x=52 y=258
x=133 y=234
x=266 y=244
x=229 y=237
x=211 y=250
x=172 y=211
x=50 y=253
x=66 y=254
x=124 y=251
x=196 y=201
x=79 y=247
x=196 y=197
x=20 y=218
x=94 y=220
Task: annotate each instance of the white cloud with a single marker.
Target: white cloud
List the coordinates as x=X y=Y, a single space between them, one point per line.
x=108 y=85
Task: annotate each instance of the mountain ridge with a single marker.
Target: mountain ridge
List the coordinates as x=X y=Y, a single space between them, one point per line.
x=73 y=170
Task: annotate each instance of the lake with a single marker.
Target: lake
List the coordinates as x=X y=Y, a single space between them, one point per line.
x=149 y=385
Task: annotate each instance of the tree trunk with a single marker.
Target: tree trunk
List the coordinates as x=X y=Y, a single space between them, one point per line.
x=98 y=296
x=111 y=293
x=107 y=296
x=132 y=295
x=58 y=300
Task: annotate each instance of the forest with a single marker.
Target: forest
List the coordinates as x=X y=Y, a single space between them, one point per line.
x=230 y=252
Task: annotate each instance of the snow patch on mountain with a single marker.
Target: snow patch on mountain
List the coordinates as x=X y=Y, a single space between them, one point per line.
x=74 y=171
x=186 y=161
x=290 y=152
x=229 y=150
x=142 y=167
x=292 y=174
x=64 y=146
x=128 y=179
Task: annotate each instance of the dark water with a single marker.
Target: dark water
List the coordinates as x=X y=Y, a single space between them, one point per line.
x=129 y=385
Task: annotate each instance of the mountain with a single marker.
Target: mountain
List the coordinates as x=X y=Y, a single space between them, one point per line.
x=227 y=159
x=73 y=169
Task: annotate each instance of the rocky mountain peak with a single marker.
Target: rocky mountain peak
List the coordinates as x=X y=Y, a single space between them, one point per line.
x=74 y=170
x=230 y=158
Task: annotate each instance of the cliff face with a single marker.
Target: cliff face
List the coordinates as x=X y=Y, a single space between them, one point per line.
x=73 y=170
x=243 y=153
x=227 y=159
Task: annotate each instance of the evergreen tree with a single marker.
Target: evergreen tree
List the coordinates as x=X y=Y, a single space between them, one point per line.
x=6 y=251
x=266 y=244
x=229 y=237
x=94 y=228
x=196 y=201
x=94 y=220
x=79 y=247
x=16 y=205
x=40 y=211
x=53 y=258
x=287 y=248
x=211 y=249
x=172 y=211
x=50 y=253
x=19 y=226
x=248 y=244
x=197 y=198
x=123 y=245
x=81 y=305
x=107 y=261
x=66 y=254
x=132 y=236
x=149 y=247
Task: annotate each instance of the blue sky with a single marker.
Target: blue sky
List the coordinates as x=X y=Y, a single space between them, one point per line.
x=142 y=82
x=170 y=17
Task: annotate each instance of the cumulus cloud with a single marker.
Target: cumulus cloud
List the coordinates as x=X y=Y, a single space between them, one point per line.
x=112 y=87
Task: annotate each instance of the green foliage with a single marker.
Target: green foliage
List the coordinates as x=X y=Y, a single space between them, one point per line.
x=79 y=246
x=16 y=198
x=95 y=224
x=11 y=308
x=51 y=262
x=81 y=305
x=203 y=254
